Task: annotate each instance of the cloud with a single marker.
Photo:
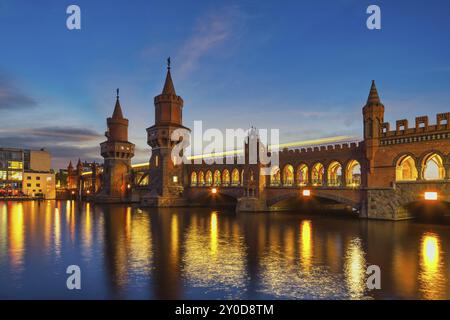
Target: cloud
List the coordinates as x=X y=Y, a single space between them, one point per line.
x=210 y=32
x=12 y=97
x=65 y=144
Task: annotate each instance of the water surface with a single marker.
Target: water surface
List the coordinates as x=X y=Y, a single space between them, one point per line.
x=132 y=253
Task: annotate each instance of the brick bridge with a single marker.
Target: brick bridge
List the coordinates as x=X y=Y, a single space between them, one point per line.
x=379 y=176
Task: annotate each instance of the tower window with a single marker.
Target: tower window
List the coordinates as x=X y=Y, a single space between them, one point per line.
x=156 y=161
x=175 y=179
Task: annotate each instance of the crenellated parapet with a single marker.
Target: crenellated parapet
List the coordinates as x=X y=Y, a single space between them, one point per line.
x=422 y=131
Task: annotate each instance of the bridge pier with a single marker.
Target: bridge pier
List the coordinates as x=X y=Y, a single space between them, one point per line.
x=251 y=204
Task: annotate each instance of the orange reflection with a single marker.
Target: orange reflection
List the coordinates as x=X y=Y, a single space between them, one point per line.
x=432 y=278
x=214 y=233
x=306 y=245
x=16 y=237
x=355 y=269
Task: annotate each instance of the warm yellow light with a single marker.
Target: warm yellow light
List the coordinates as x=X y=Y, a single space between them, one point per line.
x=88 y=192
x=129 y=186
x=306 y=193
x=73 y=192
x=431 y=196
x=214 y=190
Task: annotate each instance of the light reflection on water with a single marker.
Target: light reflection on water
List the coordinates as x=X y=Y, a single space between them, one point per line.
x=126 y=252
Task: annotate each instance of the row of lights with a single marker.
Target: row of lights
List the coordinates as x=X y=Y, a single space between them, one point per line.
x=429 y=195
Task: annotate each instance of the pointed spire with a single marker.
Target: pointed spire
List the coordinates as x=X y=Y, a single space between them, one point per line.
x=374 y=98
x=79 y=163
x=168 y=85
x=70 y=165
x=117 y=114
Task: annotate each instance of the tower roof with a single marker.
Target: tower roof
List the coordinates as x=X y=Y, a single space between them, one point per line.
x=117 y=114
x=373 y=98
x=168 y=85
x=79 y=164
x=70 y=164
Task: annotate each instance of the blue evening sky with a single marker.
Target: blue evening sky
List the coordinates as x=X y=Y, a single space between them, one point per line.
x=303 y=67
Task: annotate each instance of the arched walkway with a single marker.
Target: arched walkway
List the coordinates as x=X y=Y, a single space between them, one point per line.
x=406 y=169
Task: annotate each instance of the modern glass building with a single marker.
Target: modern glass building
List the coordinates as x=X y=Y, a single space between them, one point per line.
x=12 y=164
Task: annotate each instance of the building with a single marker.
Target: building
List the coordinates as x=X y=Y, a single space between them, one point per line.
x=26 y=173
x=11 y=171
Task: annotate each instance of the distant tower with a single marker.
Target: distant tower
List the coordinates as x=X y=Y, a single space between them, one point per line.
x=117 y=152
x=166 y=177
x=373 y=113
x=70 y=176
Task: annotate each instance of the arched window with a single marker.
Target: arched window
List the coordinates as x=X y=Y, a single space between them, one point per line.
x=288 y=175
x=217 y=177
x=226 y=177
x=406 y=169
x=201 y=178
x=208 y=178
x=433 y=167
x=335 y=174
x=193 y=178
x=317 y=174
x=353 y=174
x=302 y=175
x=275 y=179
x=235 y=177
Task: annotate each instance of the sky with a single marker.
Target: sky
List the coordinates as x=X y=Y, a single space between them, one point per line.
x=303 y=67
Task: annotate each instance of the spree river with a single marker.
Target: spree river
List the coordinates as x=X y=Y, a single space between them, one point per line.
x=130 y=253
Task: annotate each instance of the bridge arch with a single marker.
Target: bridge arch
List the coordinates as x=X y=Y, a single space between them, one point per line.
x=288 y=175
x=275 y=176
x=432 y=165
x=334 y=174
x=226 y=177
x=194 y=178
x=217 y=178
x=235 y=181
x=353 y=173
x=316 y=193
x=201 y=178
x=406 y=167
x=208 y=178
x=302 y=174
x=318 y=174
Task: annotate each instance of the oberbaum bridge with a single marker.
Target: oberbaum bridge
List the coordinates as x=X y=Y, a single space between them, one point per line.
x=379 y=177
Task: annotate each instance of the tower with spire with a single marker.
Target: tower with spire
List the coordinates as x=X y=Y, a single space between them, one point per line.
x=373 y=113
x=166 y=182
x=117 y=152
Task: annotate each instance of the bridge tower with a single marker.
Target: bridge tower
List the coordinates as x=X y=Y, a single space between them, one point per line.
x=165 y=173
x=373 y=113
x=255 y=178
x=117 y=152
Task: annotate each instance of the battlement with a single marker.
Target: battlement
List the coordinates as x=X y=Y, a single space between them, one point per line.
x=168 y=98
x=321 y=151
x=422 y=125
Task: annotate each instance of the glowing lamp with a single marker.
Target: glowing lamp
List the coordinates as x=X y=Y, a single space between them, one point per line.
x=73 y=192
x=214 y=190
x=431 y=196
x=306 y=193
x=88 y=192
x=129 y=186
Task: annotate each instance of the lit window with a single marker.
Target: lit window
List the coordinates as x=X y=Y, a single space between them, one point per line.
x=306 y=193
x=49 y=178
x=175 y=179
x=3 y=175
x=15 y=165
x=15 y=176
